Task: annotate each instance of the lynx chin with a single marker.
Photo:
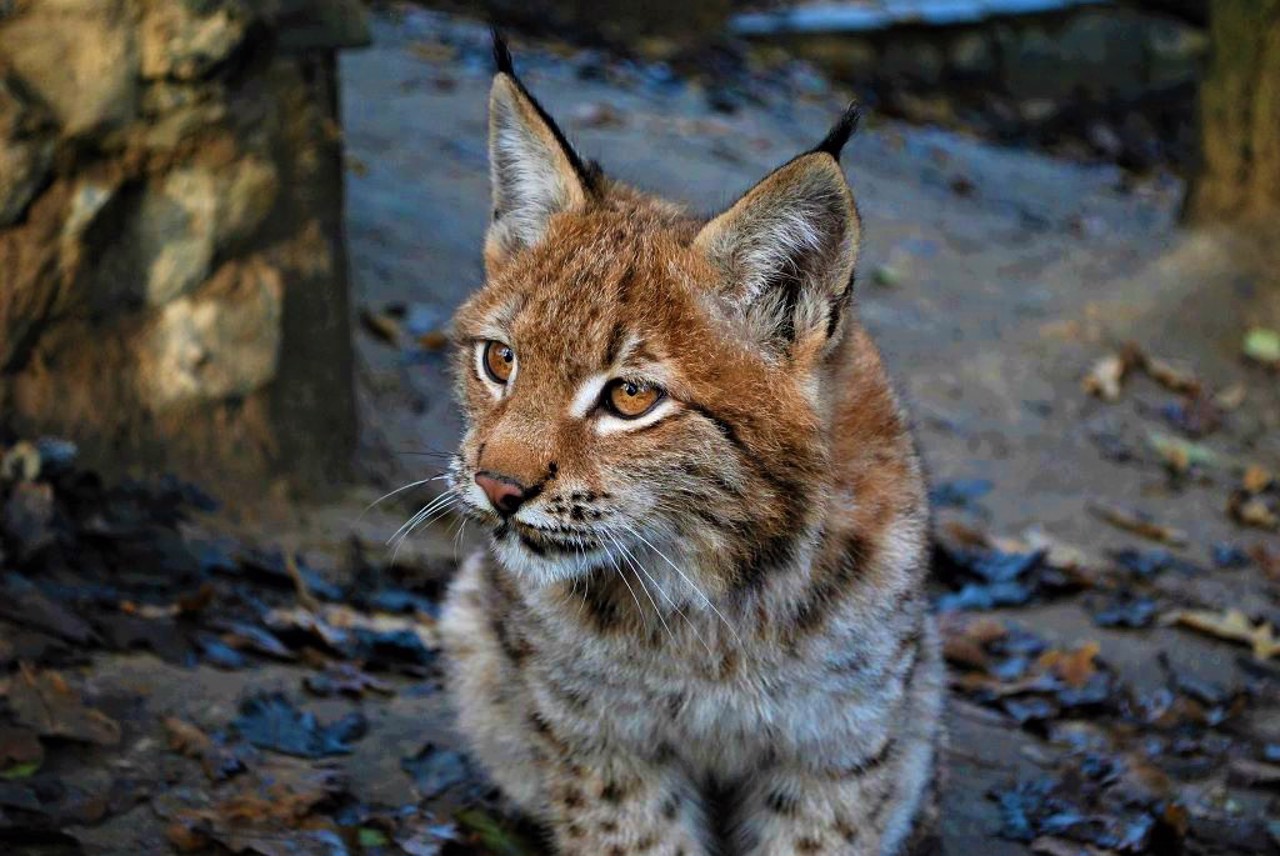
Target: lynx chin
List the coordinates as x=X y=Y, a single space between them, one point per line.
x=700 y=627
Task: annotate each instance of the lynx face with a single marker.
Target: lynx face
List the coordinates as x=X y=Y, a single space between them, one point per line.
x=642 y=388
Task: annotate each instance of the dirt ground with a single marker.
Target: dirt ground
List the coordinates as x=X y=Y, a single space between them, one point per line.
x=993 y=279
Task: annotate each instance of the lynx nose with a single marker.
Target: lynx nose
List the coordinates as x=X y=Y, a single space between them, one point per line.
x=506 y=495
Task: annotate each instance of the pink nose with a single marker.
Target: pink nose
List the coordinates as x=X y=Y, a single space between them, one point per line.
x=505 y=494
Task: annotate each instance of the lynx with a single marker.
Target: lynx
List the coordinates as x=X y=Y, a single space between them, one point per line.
x=700 y=626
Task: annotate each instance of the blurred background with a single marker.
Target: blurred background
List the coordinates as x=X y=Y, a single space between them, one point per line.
x=232 y=233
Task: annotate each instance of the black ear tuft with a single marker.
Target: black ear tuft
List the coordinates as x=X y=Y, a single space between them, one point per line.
x=502 y=54
x=840 y=133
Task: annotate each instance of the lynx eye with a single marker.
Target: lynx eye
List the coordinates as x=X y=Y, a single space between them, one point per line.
x=499 y=361
x=631 y=400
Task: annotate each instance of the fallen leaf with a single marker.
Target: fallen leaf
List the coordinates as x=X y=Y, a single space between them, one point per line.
x=1074 y=667
x=45 y=702
x=381 y=326
x=1256 y=479
x=278 y=811
x=21 y=753
x=1262 y=346
x=186 y=738
x=435 y=770
x=345 y=679
x=22 y=603
x=1181 y=455
x=1104 y=379
x=1139 y=523
x=1259 y=512
x=1231 y=397
x=1253 y=774
x=1171 y=377
x=1232 y=625
x=433 y=340
x=271 y=721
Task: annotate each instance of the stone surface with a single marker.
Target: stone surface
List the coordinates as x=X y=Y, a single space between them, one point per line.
x=224 y=342
x=79 y=56
x=185 y=39
x=174 y=234
x=172 y=270
x=26 y=149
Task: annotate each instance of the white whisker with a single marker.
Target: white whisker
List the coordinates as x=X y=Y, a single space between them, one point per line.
x=409 y=486
x=626 y=554
x=422 y=512
x=697 y=590
x=636 y=563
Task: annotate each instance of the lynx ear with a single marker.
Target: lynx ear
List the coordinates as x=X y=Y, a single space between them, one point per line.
x=534 y=171
x=787 y=249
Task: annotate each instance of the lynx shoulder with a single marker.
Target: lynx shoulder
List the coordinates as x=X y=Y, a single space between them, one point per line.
x=700 y=626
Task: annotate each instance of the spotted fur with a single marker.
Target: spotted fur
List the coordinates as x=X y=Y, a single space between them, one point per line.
x=702 y=630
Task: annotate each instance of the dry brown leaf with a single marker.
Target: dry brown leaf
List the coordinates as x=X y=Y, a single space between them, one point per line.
x=1255 y=511
x=1232 y=397
x=1139 y=523
x=1232 y=625
x=1105 y=377
x=1171 y=377
x=433 y=340
x=45 y=702
x=381 y=326
x=185 y=738
x=1074 y=667
x=1256 y=478
x=1253 y=774
x=965 y=639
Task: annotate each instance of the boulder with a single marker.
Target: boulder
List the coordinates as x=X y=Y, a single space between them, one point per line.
x=223 y=342
x=79 y=56
x=187 y=39
x=26 y=149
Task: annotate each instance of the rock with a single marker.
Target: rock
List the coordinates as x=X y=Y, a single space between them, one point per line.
x=223 y=342
x=175 y=233
x=176 y=225
x=247 y=193
x=23 y=167
x=186 y=40
x=79 y=56
x=87 y=201
x=178 y=111
x=26 y=150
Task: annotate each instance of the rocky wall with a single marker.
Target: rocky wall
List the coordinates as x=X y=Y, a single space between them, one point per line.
x=173 y=285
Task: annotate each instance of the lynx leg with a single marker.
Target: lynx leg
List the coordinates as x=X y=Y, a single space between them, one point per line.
x=864 y=813
x=618 y=807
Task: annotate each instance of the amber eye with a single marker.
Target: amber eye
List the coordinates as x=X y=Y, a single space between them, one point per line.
x=499 y=361
x=631 y=400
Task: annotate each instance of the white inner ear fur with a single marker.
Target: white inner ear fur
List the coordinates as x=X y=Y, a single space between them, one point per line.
x=797 y=224
x=532 y=176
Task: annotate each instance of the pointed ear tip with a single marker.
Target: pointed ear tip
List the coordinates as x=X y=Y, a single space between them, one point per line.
x=844 y=128
x=501 y=53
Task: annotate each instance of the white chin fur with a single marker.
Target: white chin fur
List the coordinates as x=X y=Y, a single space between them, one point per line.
x=541 y=570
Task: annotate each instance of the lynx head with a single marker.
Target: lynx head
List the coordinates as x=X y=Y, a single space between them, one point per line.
x=642 y=386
